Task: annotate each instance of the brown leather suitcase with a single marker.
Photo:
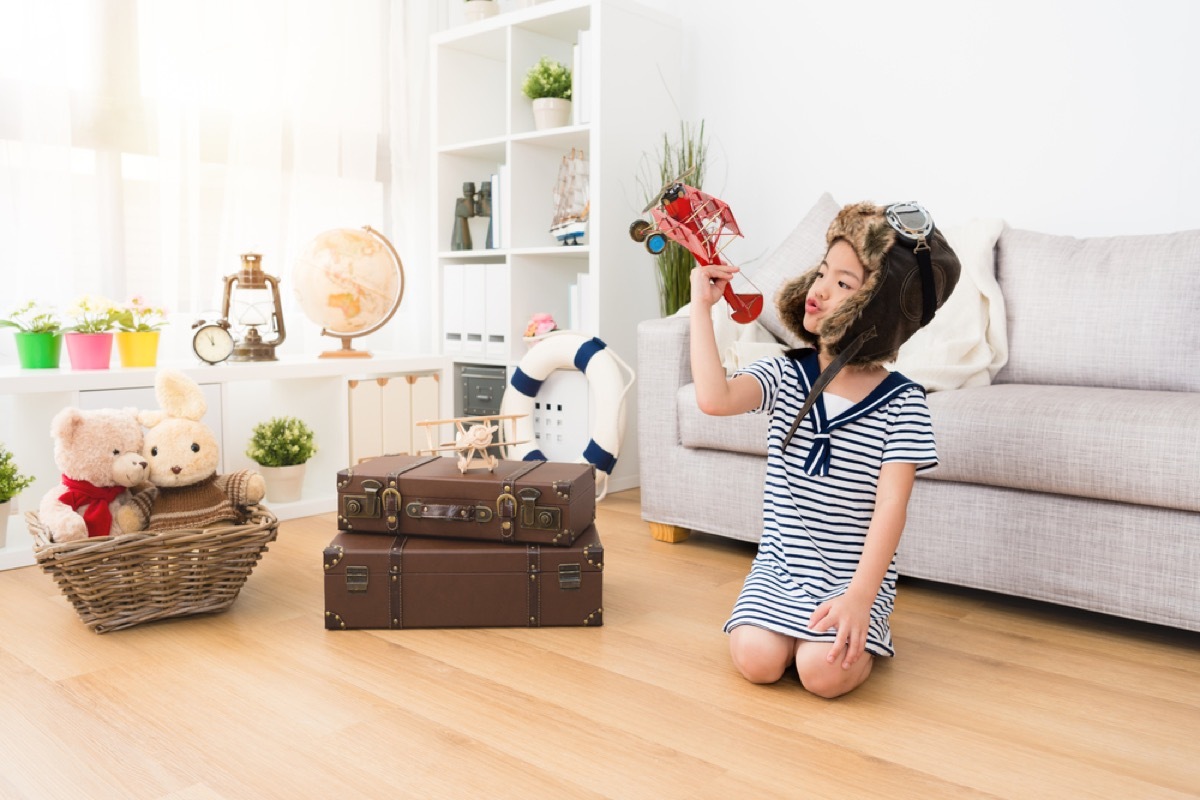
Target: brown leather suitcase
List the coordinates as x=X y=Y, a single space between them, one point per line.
x=540 y=502
x=374 y=581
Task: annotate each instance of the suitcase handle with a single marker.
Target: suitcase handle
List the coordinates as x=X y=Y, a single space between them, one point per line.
x=450 y=512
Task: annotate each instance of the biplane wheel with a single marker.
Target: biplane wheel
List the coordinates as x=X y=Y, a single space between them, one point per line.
x=638 y=230
x=656 y=243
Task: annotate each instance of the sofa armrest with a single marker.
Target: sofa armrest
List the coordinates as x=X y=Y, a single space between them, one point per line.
x=664 y=366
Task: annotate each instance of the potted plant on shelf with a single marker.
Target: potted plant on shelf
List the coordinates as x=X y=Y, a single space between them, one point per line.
x=548 y=85
x=138 y=324
x=12 y=483
x=38 y=335
x=90 y=337
x=281 y=447
x=676 y=158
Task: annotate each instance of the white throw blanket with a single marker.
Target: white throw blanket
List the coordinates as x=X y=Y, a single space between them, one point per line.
x=965 y=345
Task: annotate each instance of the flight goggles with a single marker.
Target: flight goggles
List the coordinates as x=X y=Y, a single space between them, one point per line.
x=910 y=220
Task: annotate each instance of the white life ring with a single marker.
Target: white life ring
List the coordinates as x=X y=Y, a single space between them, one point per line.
x=606 y=388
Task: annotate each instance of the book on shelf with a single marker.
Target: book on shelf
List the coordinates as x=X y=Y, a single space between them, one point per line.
x=581 y=77
x=495 y=242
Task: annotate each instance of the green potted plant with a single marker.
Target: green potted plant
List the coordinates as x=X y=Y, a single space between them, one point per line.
x=548 y=85
x=12 y=483
x=38 y=335
x=90 y=335
x=281 y=447
x=674 y=264
x=138 y=324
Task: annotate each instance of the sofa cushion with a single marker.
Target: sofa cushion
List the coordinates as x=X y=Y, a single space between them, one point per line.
x=1110 y=444
x=802 y=250
x=1119 y=312
x=740 y=433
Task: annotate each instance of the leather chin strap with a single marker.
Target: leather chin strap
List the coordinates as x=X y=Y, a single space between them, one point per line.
x=827 y=375
x=928 y=289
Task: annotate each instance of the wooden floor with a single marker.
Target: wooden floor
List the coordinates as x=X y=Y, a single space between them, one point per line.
x=988 y=697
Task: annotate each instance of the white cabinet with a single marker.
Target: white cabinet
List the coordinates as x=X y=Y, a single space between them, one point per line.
x=384 y=413
x=483 y=125
x=240 y=395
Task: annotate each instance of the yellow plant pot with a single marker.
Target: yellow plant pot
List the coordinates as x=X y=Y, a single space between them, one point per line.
x=138 y=348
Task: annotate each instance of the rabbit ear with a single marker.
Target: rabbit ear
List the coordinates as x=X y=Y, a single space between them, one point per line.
x=179 y=395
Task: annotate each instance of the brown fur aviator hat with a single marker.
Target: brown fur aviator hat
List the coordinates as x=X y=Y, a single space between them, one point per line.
x=895 y=299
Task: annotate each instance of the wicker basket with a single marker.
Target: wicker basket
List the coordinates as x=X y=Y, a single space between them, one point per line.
x=117 y=582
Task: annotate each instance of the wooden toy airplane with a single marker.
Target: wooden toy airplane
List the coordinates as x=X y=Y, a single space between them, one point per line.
x=474 y=438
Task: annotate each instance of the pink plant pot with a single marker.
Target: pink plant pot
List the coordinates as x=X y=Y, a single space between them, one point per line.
x=89 y=350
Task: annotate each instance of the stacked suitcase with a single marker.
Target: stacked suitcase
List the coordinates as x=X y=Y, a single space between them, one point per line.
x=421 y=545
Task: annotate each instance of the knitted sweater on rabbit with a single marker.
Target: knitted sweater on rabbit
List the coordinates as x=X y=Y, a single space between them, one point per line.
x=199 y=505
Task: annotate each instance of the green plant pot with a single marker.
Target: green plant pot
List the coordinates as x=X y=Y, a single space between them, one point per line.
x=38 y=350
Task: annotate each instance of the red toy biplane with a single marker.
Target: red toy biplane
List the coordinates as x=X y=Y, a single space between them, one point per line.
x=705 y=226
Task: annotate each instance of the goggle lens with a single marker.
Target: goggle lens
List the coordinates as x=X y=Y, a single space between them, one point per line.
x=910 y=220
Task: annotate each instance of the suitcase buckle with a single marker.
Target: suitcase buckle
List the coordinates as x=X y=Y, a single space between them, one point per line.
x=535 y=517
x=569 y=576
x=391 y=510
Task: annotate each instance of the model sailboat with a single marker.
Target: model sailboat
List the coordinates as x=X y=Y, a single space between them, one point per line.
x=571 y=201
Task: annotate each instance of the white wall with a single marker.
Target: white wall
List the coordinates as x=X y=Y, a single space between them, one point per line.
x=1065 y=116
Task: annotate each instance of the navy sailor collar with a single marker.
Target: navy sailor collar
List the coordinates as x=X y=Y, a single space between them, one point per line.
x=807 y=367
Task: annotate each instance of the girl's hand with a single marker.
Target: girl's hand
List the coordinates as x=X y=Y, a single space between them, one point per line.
x=708 y=283
x=851 y=616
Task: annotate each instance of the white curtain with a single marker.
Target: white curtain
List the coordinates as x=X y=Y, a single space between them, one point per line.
x=146 y=144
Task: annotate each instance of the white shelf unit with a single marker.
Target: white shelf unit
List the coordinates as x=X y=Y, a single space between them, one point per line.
x=316 y=390
x=483 y=125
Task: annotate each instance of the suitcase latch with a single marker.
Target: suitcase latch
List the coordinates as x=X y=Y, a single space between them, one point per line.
x=362 y=505
x=357 y=579
x=535 y=517
x=569 y=576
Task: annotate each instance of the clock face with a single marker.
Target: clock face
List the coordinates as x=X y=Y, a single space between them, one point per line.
x=212 y=343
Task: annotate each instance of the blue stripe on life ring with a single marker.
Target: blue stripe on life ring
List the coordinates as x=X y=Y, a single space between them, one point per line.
x=598 y=456
x=585 y=352
x=524 y=384
x=535 y=455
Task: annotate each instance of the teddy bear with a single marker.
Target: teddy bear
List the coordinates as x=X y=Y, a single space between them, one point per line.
x=183 y=456
x=100 y=456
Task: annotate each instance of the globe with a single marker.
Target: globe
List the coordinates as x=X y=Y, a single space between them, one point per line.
x=350 y=281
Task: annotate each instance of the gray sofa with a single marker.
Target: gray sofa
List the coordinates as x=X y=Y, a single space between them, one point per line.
x=1070 y=475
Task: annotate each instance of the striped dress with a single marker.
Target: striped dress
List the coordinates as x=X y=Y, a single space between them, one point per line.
x=820 y=495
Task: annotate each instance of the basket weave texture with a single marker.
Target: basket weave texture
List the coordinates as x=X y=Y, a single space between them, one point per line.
x=117 y=582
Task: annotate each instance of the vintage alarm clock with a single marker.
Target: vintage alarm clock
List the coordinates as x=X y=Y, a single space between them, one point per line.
x=213 y=343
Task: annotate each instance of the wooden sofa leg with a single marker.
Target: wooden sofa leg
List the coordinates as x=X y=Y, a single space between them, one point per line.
x=668 y=533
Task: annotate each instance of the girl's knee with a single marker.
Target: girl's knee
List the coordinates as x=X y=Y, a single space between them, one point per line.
x=761 y=656
x=827 y=680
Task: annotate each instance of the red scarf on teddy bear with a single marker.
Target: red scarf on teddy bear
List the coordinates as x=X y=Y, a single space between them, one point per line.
x=96 y=499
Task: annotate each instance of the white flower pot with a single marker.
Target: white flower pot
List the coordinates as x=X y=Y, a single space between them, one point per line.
x=284 y=484
x=6 y=508
x=475 y=10
x=550 y=112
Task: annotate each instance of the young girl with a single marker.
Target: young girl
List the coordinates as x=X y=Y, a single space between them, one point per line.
x=845 y=442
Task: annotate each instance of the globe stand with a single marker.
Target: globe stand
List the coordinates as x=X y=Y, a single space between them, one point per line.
x=346 y=351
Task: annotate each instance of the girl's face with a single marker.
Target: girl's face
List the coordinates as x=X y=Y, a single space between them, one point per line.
x=839 y=276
